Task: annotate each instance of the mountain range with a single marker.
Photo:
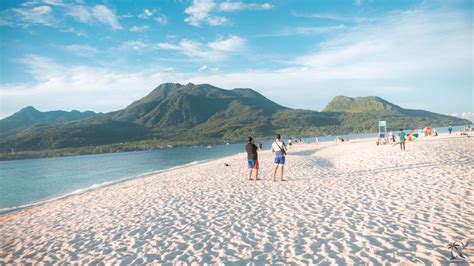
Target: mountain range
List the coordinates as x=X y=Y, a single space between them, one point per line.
x=29 y=116
x=176 y=114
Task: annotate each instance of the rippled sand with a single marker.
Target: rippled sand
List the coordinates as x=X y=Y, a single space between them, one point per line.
x=345 y=203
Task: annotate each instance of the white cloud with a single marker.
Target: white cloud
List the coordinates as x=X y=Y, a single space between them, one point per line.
x=238 y=6
x=232 y=44
x=135 y=45
x=106 y=16
x=38 y=15
x=328 y=16
x=98 y=89
x=466 y=115
x=80 y=13
x=216 y=50
x=231 y=6
x=266 y=6
x=30 y=3
x=190 y=48
x=45 y=15
x=406 y=45
x=200 y=11
x=24 y=17
x=139 y=28
x=168 y=46
x=84 y=50
x=401 y=58
x=146 y=13
x=54 y=2
x=313 y=30
x=80 y=33
x=161 y=19
x=155 y=15
x=203 y=11
x=202 y=68
x=217 y=21
x=405 y=57
x=97 y=14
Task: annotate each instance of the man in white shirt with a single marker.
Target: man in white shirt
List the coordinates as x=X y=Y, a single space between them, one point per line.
x=279 y=148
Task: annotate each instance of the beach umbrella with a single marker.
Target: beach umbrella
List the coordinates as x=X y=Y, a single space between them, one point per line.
x=413 y=135
x=427 y=131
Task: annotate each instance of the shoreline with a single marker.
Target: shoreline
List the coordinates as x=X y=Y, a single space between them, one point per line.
x=343 y=203
x=13 y=209
x=93 y=187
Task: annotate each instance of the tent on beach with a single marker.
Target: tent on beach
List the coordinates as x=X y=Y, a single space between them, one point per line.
x=413 y=135
x=427 y=131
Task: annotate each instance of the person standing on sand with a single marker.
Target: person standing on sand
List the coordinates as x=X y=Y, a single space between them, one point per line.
x=252 y=158
x=279 y=148
x=402 y=135
x=450 y=129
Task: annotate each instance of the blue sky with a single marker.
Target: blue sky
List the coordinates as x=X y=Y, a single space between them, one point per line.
x=102 y=55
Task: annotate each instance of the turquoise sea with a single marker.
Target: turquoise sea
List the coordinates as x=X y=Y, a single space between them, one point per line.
x=27 y=182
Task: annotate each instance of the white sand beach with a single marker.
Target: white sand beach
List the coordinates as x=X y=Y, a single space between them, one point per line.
x=343 y=203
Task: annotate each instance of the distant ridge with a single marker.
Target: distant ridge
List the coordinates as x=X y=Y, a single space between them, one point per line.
x=360 y=105
x=191 y=114
x=376 y=105
x=30 y=116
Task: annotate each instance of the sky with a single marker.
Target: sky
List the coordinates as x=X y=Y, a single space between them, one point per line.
x=103 y=55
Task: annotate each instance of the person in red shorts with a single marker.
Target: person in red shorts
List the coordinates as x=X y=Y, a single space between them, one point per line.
x=252 y=158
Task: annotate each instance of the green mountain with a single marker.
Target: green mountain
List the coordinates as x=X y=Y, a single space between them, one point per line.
x=373 y=104
x=175 y=114
x=361 y=112
x=172 y=108
x=29 y=116
x=361 y=105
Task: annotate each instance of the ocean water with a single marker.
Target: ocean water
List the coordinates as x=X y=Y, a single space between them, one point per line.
x=27 y=182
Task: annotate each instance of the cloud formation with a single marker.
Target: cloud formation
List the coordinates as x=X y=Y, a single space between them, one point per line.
x=204 y=11
x=229 y=6
x=54 y=15
x=84 y=50
x=466 y=115
x=216 y=50
x=155 y=15
x=139 y=28
x=146 y=13
x=93 y=85
x=401 y=58
x=106 y=16
x=25 y=17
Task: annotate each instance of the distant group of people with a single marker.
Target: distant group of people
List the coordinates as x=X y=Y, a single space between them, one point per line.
x=292 y=141
x=466 y=131
x=340 y=139
x=402 y=135
x=278 y=147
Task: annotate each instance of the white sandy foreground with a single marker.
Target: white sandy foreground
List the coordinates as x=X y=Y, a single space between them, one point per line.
x=345 y=203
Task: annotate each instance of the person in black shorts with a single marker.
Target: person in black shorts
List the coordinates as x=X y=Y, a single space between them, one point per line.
x=252 y=158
